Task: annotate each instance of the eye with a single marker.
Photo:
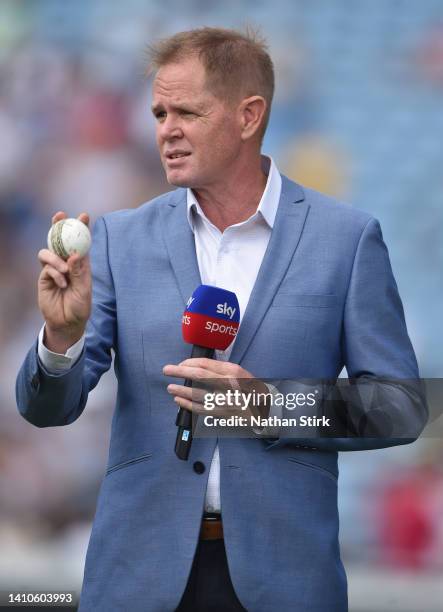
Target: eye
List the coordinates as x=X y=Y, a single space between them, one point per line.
x=160 y=115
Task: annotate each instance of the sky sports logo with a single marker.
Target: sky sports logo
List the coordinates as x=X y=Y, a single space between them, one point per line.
x=211 y=318
x=213 y=326
x=219 y=328
x=222 y=309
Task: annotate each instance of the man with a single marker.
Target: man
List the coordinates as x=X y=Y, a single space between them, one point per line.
x=316 y=293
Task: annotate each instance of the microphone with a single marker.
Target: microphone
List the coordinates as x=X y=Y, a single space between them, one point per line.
x=210 y=322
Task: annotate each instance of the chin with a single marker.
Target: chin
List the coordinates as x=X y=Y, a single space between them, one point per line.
x=177 y=182
x=178 y=179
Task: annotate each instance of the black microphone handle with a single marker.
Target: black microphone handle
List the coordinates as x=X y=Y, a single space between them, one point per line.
x=183 y=421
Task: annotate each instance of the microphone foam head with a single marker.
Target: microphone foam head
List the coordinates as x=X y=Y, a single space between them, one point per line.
x=211 y=318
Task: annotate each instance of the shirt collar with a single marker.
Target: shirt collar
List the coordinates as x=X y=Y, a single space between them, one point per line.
x=268 y=204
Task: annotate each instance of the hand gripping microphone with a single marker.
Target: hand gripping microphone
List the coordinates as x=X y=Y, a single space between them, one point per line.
x=210 y=322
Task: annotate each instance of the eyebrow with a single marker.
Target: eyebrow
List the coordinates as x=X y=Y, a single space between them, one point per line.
x=155 y=108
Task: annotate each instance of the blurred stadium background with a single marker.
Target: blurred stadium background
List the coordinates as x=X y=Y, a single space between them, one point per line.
x=357 y=114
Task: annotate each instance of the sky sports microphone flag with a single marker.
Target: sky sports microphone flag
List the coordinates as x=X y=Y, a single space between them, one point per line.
x=210 y=322
x=211 y=318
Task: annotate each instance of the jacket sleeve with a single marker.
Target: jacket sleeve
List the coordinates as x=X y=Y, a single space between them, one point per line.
x=385 y=405
x=46 y=399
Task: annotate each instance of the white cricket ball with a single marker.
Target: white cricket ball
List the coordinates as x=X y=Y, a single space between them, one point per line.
x=69 y=236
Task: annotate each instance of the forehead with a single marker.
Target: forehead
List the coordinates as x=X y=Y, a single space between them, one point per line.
x=180 y=81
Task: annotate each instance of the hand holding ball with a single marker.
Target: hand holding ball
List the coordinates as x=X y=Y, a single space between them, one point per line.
x=65 y=282
x=69 y=236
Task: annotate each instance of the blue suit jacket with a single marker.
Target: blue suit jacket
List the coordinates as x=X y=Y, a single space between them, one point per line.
x=325 y=297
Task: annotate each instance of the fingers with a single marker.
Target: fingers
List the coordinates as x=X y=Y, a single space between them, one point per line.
x=58 y=216
x=188 y=398
x=83 y=217
x=188 y=405
x=195 y=368
x=191 y=393
x=75 y=264
x=75 y=270
x=195 y=398
x=202 y=362
x=48 y=258
x=218 y=368
x=78 y=266
x=49 y=272
x=187 y=372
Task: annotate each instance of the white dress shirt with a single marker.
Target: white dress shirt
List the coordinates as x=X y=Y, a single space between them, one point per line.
x=230 y=260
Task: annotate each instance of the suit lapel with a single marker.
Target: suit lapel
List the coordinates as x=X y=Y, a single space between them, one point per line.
x=180 y=244
x=286 y=233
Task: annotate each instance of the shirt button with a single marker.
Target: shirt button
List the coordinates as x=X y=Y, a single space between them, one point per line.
x=199 y=467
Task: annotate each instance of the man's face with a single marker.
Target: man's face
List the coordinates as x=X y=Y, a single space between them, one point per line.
x=198 y=135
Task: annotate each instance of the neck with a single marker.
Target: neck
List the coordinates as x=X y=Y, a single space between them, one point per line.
x=235 y=198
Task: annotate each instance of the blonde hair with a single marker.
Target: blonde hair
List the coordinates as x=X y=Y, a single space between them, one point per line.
x=236 y=64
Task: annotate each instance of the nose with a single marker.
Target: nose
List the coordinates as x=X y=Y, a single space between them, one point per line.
x=169 y=129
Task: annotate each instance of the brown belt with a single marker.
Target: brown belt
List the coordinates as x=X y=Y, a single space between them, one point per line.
x=211 y=529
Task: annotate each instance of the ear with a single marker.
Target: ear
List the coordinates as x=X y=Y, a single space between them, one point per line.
x=252 y=112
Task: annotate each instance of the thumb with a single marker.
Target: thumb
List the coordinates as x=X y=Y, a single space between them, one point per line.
x=78 y=268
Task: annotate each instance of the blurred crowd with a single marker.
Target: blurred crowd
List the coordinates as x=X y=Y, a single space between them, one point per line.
x=77 y=135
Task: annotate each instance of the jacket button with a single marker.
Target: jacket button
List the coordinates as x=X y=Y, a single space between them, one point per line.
x=35 y=382
x=199 y=467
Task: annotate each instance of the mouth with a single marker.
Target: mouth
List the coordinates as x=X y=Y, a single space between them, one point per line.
x=176 y=156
